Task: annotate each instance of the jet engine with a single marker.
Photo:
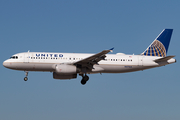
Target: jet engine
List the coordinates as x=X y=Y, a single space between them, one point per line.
x=65 y=69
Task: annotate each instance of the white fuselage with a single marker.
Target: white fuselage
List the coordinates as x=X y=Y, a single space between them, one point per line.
x=113 y=63
x=68 y=65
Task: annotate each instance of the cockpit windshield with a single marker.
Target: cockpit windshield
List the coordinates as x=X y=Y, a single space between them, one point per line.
x=14 y=57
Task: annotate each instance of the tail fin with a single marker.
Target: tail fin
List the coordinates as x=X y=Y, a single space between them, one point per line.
x=159 y=46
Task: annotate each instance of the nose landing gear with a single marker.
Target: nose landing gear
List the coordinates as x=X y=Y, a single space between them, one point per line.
x=26 y=78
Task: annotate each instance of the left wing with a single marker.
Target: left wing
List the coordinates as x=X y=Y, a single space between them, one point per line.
x=94 y=59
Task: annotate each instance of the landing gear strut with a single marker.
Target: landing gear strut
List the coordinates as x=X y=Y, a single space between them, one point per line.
x=84 y=79
x=26 y=78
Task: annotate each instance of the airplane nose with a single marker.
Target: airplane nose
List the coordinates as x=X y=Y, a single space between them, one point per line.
x=6 y=64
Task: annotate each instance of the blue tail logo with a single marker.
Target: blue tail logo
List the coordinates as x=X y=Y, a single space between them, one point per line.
x=159 y=46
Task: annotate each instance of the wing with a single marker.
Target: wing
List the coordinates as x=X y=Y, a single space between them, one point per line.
x=94 y=59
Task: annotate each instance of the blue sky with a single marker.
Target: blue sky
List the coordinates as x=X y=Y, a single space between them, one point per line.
x=83 y=26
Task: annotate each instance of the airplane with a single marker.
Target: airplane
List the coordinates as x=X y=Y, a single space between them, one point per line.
x=68 y=65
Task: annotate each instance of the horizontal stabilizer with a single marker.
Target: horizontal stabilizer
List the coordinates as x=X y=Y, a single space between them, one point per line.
x=163 y=59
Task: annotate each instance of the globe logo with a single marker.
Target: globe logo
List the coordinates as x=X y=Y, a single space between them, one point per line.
x=155 y=49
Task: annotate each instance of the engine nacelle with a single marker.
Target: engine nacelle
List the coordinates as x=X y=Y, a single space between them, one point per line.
x=64 y=76
x=65 y=69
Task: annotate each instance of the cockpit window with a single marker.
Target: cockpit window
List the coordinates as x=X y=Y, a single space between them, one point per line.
x=14 y=57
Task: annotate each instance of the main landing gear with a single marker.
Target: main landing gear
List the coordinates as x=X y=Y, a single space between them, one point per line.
x=26 y=78
x=84 y=79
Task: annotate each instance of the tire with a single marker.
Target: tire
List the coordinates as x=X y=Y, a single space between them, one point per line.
x=25 y=78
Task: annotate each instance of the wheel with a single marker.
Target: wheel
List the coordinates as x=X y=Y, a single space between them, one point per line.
x=83 y=82
x=25 y=78
x=86 y=78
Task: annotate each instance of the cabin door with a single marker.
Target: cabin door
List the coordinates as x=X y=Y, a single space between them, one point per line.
x=26 y=57
x=140 y=61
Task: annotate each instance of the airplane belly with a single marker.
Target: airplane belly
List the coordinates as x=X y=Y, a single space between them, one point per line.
x=120 y=68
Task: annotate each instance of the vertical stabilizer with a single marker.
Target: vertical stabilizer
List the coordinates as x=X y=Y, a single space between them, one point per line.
x=159 y=46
